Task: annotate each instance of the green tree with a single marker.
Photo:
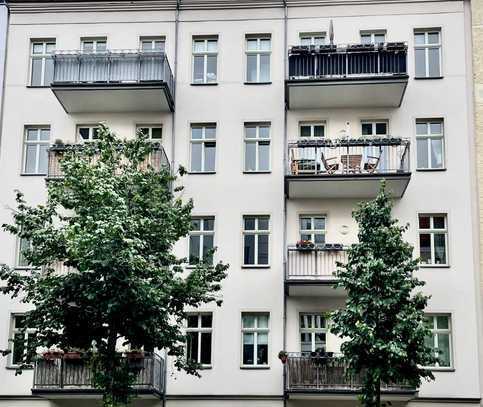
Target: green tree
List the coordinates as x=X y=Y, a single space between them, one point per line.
x=114 y=219
x=383 y=320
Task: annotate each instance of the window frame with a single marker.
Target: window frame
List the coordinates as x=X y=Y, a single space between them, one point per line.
x=38 y=143
x=313 y=232
x=257 y=140
x=205 y=54
x=426 y=46
x=150 y=128
x=202 y=233
x=255 y=330
x=11 y=340
x=256 y=232
x=313 y=331
x=203 y=140
x=200 y=330
x=312 y=124
x=311 y=36
x=372 y=34
x=91 y=127
x=258 y=52
x=440 y=331
x=153 y=39
x=95 y=41
x=374 y=123
x=43 y=56
x=429 y=136
x=432 y=231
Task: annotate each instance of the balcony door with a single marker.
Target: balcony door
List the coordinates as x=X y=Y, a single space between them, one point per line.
x=309 y=157
x=376 y=129
x=94 y=61
x=313 y=333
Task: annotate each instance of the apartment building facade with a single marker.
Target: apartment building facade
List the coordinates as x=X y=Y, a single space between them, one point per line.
x=286 y=115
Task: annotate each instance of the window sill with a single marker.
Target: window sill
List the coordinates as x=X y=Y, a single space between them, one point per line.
x=434 y=266
x=255 y=367
x=257 y=172
x=428 y=77
x=257 y=83
x=38 y=86
x=204 y=84
x=430 y=169
x=254 y=266
x=441 y=369
x=201 y=172
x=23 y=174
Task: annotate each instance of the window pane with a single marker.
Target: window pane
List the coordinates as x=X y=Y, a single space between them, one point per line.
x=264 y=156
x=443 y=350
x=157 y=133
x=248 y=321
x=22 y=262
x=252 y=45
x=319 y=238
x=210 y=133
x=425 y=248
x=305 y=41
x=265 y=44
x=250 y=156
x=196 y=133
x=38 y=48
x=18 y=349
x=264 y=132
x=84 y=133
x=366 y=129
x=422 y=152
x=101 y=46
x=251 y=68
x=199 y=46
x=436 y=127
x=319 y=341
x=198 y=69
x=32 y=134
x=306 y=223
x=196 y=151
x=305 y=342
x=210 y=156
x=319 y=40
x=419 y=38
x=87 y=46
x=263 y=321
x=192 y=346
x=44 y=134
x=433 y=56
x=436 y=153
x=264 y=68
x=319 y=223
x=205 y=356
x=305 y=131
x=43 y=158
x=248 y=348
x=421 y=128
x=192 y=321
x=207 y=249
x=206 y=320
x=211 y=69
x=442 y=322
x=250 y=131
x=424 y=222
x=212 y=45
x=194 y=249
x=195 y=224
x=30 y=159
x=209 y=224
x=49 y=71
x=439 y=222
x=440 y=248
x=249 y=249
x=318 y=131
x=146 y=45
x=433 y=38
x=379 y=38
x=262 y=349
x=381 y=128
x=420 y=66
x=36 y=79
x=262 y=249
x=263 y=222
x=249 y=223
x=365 y=38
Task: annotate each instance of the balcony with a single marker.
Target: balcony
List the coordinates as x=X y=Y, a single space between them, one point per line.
x=324 y=377
x=157 y=159
x=347 y=168
x=67 y=377
x=310 y=272
x=362 y=75
x=113 y=81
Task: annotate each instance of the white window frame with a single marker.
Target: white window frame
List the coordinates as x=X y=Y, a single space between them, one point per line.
x=429 y=136
x=205 y=54
x=199 y=330
x=257 y=140
x=38 y=143
x=312 y=36
x=43 y=56
x=201 y=233
x=13 y=332
x=203 y=140
x=150 y=128
x=372 y=34
x=153 y=40
x=435 y=332
x=432 y=231
x=313 y=331
x=256 y=330
x=312 y=232
x=426 y=46
x=374 y=123
x=312 y=125
x=91 y=128
x=258 y=52
x=95 y=41
x=256 y=232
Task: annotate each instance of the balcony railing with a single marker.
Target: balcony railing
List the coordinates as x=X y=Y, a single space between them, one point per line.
x=64 y=375
x=314 y=264
x=346 y=61
x=350 y=157
x=112 y=67
x=157 y=159
x=328 y=374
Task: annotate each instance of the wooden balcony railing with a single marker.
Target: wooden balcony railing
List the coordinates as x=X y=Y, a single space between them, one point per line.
x=73 y=375
x=328 y=374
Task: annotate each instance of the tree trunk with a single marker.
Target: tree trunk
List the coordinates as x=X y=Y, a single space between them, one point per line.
x=378 y=392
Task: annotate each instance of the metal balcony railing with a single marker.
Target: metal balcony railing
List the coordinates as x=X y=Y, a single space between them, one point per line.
x=157 y=159
x=76 y=374
x=323 y=373
x=317 y=263
x=112 y=67
x=346 y=61
x=351 y=157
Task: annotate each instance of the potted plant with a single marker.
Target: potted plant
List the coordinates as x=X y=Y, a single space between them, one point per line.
x=305 y=245
x=73 y=354
x=283 y=356
x=52 y=354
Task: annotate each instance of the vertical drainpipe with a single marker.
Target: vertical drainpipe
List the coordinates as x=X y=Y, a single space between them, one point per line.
x=285 y=164
x=7 y=30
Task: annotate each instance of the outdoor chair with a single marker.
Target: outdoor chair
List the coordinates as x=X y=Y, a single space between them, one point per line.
x=329 y=165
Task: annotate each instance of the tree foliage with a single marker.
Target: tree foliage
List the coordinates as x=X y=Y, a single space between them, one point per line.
x=115 y=220
x=383 y=320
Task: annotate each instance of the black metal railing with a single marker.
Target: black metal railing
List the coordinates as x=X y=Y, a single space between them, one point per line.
x=76 y=374
x=344 y=61
x=319 y=262
x=324 y=373
x=354 y=156
x=157 y=159
x=112 y=67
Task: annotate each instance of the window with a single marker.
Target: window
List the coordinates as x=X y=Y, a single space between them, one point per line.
x=153 y=132
x=205 y=55
x=258 y=50
x=94 y=44
x=87 y=132
x=313 y=333
x=152 y=44
x=427 y=51
x=440 y=338
x=374 y=128
x=201 y=240
x=433 y=239
x=373 y=37
x=256 y=233
x=255 y=339
x=20 y=341
x=36 y=145
x=22 y=246
x=257 y=147
x=203 y=147
x=312 y=38
x=41 y=62
x=199 y=329
x=430 y=144
x=312 y=228
x=309 y=129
